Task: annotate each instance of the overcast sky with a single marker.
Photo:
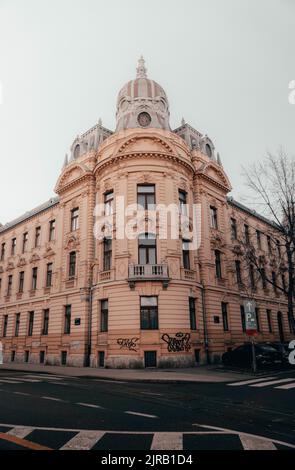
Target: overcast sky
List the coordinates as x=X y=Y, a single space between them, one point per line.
x=225 y=65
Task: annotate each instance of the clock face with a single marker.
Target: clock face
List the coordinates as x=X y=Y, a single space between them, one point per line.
x=144 y=119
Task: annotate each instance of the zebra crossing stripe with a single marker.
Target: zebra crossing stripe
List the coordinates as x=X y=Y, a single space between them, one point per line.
x=20 y=431
x=248 y=382
x=6 y=381
x=84 y=440
x=167 y=441
x=273 y=382
x=254 y=443
x=286 y=387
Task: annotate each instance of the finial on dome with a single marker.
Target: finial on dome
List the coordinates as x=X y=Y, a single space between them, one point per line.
x=100 y=122
x=219 y=159
x=141 y=69
x=183 y=121
x=66 y=161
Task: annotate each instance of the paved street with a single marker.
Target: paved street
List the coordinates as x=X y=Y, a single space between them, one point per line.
x=41 y=411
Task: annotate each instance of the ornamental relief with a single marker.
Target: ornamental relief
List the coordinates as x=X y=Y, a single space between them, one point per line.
x=10 y=266
x=22 y=262
x=34 y=258
x=72 y=242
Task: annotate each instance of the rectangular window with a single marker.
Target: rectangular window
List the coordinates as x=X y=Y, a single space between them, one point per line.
x=234 y=229
x=257 y=319
x=252 y=276
x=243 y=318
x=107 y=254
x=218 y=268
x=147 y=249
x=12 y=356
x=49 y=275
x=269 y=320
x=34 y=278
x=37 y=237
x=74 y=219
x=42 y=357
x=64 y=356
x=213 y=217
x=2 y=252
x=258 y=238
x=269 y=244
x=9 y=285
x=149 y=313
x=72 y=264
x=109 y=203
x=104 y=316
x=247 y=233
x=13 y=246
x=5 y=324
x=45 y=325
x=238 y=272
x=67 y=324
x=21 y=282
x=17 y=324
x=27 y=356
x=182 y=197
x=51 y=230
x=192 y=313
x=31 y=324
x=224 y=316
x=279 y=247
x=146 y=196
x=186 y=254
x=25 y=242
x=274 y=281
x=263 y=277
x=284 y=284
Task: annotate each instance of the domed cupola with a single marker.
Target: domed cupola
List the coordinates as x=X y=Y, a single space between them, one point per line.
x=142 y=103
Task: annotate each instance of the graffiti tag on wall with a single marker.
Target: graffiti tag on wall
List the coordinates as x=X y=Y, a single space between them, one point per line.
x=179 y=342
x=128 y=343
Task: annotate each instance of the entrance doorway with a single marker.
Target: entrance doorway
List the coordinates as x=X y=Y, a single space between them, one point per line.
x=150 y=359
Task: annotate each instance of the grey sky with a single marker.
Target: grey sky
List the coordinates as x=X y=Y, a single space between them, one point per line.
x=225 y=65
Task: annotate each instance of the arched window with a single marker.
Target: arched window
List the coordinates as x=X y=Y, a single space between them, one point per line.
x=147 y=249
x=77 y=151
x=208 y=150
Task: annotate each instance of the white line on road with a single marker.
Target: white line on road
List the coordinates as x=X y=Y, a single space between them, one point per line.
x=167 y=441
x=286 y=387
x=20 y=431
x=84 y=440
x=43 y=377
x=90 y=405
x=273 y=382
x=52 y=399
x=253 y=443
x=144 y=415
x=22 y=394
x=6 y=381
x=247 y=382
x=110 y=381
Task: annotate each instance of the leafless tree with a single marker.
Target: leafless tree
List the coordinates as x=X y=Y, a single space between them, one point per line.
x=272 y=184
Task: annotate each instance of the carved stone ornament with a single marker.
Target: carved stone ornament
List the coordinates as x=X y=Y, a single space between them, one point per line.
x=22 y=262
x=72 y=242
x=34 y=258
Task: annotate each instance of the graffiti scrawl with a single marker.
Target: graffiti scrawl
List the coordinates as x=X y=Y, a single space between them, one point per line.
x=127 y=343
x=179 y=342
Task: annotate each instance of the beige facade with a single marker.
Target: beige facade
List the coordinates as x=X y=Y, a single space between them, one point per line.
x=143 y=301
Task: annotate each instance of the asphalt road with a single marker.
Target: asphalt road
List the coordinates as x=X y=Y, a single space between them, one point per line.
x=39 y=411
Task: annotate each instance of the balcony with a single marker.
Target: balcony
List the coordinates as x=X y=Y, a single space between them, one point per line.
x=148 y=272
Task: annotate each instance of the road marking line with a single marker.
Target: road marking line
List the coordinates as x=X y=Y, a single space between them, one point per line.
x=42 y=377
x=144 y=415
x=286 y=387
x=110 y=381
x=273 y=382
x=253 y=443
x=247 y=382
x=30 y=380
x=84 y=440
x=23 y=443
x=52 y=399
x=167 y=441
x=21 y=393
x=232 y=431
x=20 y=431
x=6 y=381
x=90 y=405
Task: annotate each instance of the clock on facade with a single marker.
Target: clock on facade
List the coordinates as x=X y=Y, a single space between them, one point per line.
x=144 y=119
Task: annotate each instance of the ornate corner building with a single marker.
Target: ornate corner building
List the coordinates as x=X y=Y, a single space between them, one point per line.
x=69 y=298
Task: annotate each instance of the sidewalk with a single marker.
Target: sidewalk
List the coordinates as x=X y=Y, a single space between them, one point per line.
x=211 y=374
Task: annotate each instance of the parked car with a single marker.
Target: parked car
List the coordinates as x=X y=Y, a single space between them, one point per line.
x=242 y=355
x=283 y=349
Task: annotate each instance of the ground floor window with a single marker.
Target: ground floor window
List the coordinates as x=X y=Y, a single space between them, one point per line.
x=101 y=359
x=64 y=357
x=192 y=312
x=12 y=356
x=149 y=313
x=42 y=357
x=27 y=356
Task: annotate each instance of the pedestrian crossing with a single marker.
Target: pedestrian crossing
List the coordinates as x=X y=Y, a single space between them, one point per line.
x=68 y=439
x=286 y=383
x=33 y=379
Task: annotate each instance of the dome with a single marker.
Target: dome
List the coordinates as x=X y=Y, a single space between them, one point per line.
x=142 y=102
